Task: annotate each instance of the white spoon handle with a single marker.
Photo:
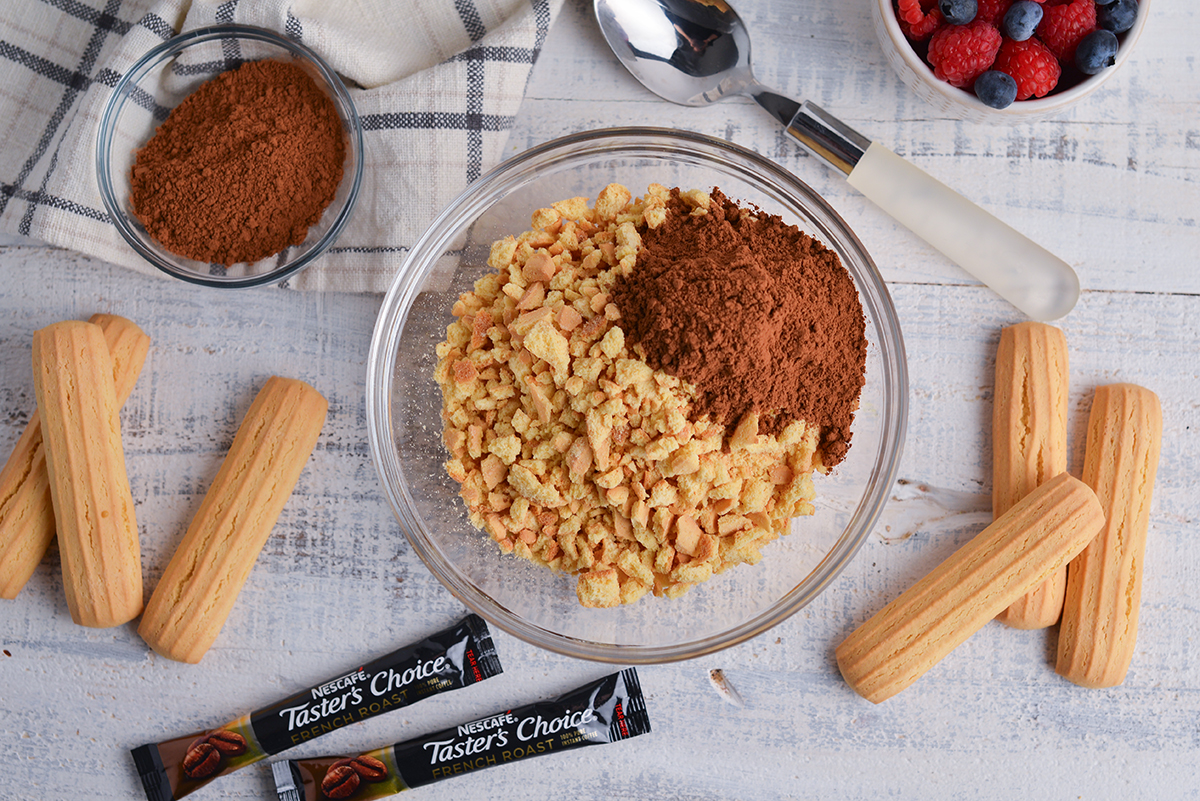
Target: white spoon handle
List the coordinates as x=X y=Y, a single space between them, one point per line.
x=1022 y=272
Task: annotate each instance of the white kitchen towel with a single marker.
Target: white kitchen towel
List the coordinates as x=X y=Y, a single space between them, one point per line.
x=437 y=84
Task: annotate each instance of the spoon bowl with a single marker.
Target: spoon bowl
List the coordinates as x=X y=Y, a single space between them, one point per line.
x=697 y=52
x=691 y=54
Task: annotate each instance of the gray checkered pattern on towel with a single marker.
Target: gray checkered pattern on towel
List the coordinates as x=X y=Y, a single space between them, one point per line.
x=436 y=82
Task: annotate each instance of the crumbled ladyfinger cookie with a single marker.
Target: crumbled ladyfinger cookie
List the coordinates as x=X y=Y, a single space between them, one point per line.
x=572 y=452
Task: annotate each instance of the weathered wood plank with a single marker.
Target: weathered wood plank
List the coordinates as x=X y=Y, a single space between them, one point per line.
x=1113 y=187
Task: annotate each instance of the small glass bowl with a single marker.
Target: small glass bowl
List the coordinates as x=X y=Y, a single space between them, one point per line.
x=962 y=104
x=161 y=80
x=530 y=601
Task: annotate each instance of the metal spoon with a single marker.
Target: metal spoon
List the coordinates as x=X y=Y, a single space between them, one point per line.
x=696 y=52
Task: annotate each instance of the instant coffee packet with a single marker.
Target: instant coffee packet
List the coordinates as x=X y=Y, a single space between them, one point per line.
x=454 y=658
x=604 y=711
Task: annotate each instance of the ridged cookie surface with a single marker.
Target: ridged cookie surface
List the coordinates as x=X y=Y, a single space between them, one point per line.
x=26 y=509
x=202 y=581
x=1029 y=442
x=1104 y=583
x=1037 y=536
x=89 y=486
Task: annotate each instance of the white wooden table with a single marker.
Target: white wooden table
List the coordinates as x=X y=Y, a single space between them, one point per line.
x=1113 y=187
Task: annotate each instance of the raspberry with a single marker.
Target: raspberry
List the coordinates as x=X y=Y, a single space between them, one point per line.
x=992 y=11
x=1032 y=66
x=1063 y=26
x=959 y=53
x=925 y=28
x=909 y=11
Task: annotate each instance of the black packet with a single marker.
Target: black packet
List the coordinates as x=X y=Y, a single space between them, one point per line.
x=457 y=657
x=605 y=711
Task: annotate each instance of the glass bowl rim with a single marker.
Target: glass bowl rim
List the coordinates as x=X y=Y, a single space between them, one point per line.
x=121 y=94
x=462 y=212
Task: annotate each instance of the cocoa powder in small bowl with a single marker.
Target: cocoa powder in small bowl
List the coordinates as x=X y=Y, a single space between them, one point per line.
x=756 y=314
x=243 y=167
x=230 y=171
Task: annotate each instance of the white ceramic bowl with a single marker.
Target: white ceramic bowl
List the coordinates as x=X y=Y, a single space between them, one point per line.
x=404 y=408
x=961 y=103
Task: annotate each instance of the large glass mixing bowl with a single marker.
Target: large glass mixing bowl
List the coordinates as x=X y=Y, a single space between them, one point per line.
x=530 y=601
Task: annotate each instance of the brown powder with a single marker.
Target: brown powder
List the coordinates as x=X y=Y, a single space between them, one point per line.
x=756 y=314
x=242 y=167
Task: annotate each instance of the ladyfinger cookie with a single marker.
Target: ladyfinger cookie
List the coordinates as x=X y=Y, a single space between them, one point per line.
x=26 y=511
x=1037 y=536
x=1029 y=442
x=1104 y=583
x=198 y=589
x=85 y=461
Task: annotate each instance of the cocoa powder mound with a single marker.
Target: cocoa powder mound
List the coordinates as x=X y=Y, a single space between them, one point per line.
x=243 y=167
x=756 y=314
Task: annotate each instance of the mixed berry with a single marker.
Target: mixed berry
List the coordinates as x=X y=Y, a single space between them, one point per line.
x=1009 y=50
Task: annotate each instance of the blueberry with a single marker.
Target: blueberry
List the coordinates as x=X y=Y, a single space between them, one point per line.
x=1118 y=16
x=1096 y=51
x=958 y=12
x=1104 y=2
x=1021 y=20
x=996 y=89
